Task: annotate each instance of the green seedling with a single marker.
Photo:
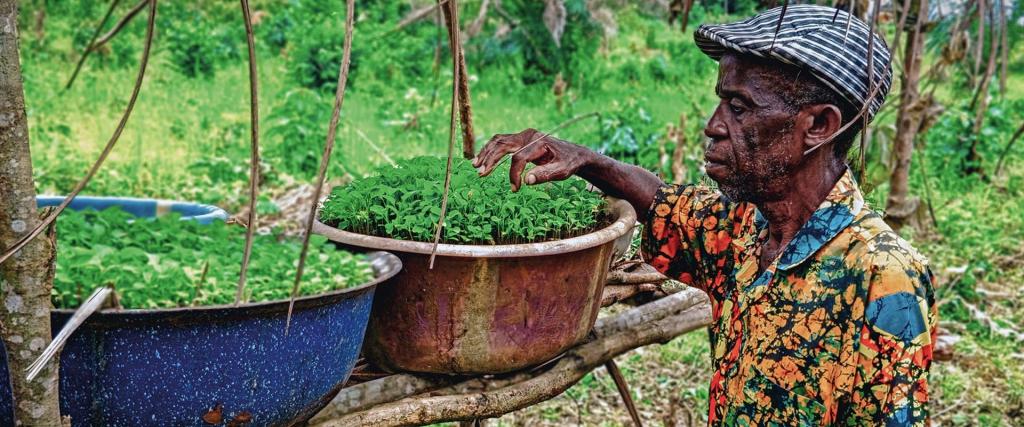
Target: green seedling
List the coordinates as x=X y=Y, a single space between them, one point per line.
x=166 y=262
x=404 y=202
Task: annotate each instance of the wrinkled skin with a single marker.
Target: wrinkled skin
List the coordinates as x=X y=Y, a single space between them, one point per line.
x=755 y=152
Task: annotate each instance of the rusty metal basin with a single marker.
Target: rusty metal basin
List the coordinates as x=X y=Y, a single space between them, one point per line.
x=487 y=309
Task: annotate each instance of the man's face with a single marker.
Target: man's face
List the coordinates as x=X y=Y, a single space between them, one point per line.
x=752 y=145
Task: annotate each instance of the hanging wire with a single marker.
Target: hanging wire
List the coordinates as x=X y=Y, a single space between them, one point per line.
x=325 y=159
x=17 y=246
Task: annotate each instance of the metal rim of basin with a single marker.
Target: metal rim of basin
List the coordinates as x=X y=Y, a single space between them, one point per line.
x=623 y=213
x=385 y=266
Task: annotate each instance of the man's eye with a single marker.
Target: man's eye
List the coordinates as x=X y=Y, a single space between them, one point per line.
x=736 y=108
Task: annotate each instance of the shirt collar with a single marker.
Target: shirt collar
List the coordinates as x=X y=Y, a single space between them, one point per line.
x=840 y=207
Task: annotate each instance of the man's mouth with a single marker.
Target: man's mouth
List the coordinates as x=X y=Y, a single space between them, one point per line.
x=714 y=162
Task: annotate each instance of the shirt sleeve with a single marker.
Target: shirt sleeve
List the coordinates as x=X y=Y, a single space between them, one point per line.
x=688 y=233
x=896 y=345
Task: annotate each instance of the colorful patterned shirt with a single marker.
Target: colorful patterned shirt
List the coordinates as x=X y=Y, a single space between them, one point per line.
x=838 y=330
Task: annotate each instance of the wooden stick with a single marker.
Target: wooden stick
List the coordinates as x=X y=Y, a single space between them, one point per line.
x=623 y=387
x=1005 y=41
x=632 y=278
x=254 y=152
x=657 y=322
x=380 y=391
x=871 y=86
x=778 y=26
x=325 y=158
x=687 y=8
x=93 y=303
x=1009 y=145
x=453 y=9
x=451 y=17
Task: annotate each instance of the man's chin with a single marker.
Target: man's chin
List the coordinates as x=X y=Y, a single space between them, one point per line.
x=734 y=191
x=717 y=171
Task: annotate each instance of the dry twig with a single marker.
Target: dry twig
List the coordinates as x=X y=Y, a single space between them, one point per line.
x=92 y=41
x=325 y=158
x=254 y=153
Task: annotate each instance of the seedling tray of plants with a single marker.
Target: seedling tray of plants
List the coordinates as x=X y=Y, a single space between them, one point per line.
x=517 y=280
x=180 y=351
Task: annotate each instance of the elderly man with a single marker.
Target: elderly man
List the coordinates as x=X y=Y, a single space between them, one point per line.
x=821 y=314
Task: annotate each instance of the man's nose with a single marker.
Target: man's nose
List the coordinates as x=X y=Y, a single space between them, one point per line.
x=715 y=129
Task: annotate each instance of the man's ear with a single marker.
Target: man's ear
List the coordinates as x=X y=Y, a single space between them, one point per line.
x=822 y=121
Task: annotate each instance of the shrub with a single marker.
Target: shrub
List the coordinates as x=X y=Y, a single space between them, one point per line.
x=630 y=135
x=542 y=58
x=405 y=202
x=159 y=263
x=296 y=133
x=378 y=54
x=197 y=46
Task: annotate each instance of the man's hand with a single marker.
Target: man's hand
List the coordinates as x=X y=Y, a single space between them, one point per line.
x=555 y=159
x=558 y=160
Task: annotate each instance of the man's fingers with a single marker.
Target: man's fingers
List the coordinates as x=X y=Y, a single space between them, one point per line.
x=485 y=152
x=519 y=161
x=492 y=153
x=554 y=171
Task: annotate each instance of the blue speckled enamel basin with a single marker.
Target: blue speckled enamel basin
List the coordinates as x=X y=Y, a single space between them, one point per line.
x=170 y=367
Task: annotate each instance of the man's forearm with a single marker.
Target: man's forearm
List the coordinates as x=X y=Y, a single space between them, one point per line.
x=633 y=184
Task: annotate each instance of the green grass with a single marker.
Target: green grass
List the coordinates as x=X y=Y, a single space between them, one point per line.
x=188 y=139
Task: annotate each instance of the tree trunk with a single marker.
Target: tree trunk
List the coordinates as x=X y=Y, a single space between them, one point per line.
x=899 y=207
x=27 y=277
x=980 y=103
x=40 y=18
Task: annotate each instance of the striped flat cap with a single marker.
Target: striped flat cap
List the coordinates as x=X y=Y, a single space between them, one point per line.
x=815 y=39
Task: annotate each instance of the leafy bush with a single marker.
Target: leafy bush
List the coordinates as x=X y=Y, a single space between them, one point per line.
x=953 y=133
x=296 y=132
x=405 y=203
x=159 y=263
x=542 y=59
x=379 y=56
x=198 y=47
x=631 y=136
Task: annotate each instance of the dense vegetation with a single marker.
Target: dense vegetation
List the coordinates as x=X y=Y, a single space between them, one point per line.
x=401 y=202
x=188 y=140
x=166 y=262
